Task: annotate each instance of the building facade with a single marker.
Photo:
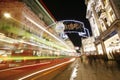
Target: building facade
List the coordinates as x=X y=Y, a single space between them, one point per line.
x=88 y=46
x=21 y=32
x=22 y=15
x=104 y=18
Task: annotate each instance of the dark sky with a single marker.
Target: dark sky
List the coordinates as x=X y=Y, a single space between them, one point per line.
x=68 y=10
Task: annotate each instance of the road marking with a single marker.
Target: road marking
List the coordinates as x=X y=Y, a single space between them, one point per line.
x=46 y=73
x=74 y=73
x=25 y=66
x=71 y=60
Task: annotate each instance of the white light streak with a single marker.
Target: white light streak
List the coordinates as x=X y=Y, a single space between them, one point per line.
x=46 y=69
x=39 y=26
x=24 y=66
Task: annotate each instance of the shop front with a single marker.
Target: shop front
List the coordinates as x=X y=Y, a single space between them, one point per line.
x=112 y=46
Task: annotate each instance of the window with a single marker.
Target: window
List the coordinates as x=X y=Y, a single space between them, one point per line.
x=18 y=51
x=93 y=21
x=111 y=13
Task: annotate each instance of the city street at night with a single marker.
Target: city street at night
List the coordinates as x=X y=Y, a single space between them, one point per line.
x=59 y=40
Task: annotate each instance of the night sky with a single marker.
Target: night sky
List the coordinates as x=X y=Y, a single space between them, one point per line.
x=68 y=10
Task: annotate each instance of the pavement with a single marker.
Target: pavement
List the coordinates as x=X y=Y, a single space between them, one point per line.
x=97 y=70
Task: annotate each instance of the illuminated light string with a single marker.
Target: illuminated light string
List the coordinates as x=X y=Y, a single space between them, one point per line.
x=73 y=21
x=66 y=21
x=85 y=32
x=80 y=33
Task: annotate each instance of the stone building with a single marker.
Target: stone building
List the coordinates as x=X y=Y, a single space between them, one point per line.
x=88 y=46
x=104 y=17
x=22 y=14
x=26 y=29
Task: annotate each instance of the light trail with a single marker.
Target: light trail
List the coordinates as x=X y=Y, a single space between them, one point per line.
x=50 y=71
x=71 y=60
x=26 y=58
x=39 y=26
x=24 y=66
x=66 y=48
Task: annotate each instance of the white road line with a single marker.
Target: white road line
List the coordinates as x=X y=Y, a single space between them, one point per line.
x=74 y=73
x=25 y=66
x=71 y=60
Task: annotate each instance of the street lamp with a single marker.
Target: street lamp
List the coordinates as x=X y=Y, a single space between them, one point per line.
x=7 y=15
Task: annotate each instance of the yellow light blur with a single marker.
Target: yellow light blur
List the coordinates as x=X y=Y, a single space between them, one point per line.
x=29 y=58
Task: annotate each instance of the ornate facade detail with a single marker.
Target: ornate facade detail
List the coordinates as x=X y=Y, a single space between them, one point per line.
x=104 y=20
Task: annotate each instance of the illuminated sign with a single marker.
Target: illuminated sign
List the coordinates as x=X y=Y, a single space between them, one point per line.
x=70 y=25
x=76 y=27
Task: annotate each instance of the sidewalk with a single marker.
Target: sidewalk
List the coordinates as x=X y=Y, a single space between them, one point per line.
x=98 y=70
